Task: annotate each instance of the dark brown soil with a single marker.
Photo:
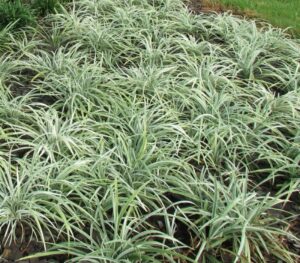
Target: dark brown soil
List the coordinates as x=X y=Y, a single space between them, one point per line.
x=206 y=6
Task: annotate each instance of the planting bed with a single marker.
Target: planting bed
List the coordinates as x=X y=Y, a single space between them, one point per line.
x=139 y=131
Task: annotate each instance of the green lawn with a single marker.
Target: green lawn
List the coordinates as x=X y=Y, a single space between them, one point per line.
x=283 y=13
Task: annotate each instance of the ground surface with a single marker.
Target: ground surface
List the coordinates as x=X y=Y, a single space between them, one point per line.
x=280 y=13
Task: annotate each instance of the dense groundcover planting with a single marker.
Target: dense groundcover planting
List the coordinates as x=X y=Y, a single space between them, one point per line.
x=19 y=13
x=137 y=131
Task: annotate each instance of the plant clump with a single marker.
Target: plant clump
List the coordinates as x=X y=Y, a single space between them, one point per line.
x=21 y=13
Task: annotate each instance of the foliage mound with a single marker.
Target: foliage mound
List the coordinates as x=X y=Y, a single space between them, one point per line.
x=22 y=13
x=137 y=131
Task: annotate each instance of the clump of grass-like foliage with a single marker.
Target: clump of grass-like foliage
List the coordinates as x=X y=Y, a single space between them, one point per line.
x=21 y=13
x=14 y=12
x=136 y=131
